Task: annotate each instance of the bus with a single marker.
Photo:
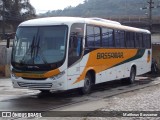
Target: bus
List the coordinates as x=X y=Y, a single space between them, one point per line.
x=63 y=53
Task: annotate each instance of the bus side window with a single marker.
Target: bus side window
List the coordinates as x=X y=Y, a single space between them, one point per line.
x=119 y=39
x=146 y=41
x=97 y=39
x=90 y=36
x=130 y=39
x=93 y=37
x=107 y=37
x=141 y=40
x=137 y=41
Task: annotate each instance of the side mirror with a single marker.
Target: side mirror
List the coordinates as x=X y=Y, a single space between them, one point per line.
x=8 y=42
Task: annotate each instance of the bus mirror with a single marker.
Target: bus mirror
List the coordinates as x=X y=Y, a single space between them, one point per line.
x=8 y=43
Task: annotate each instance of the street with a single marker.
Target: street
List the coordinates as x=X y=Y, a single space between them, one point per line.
x=111 y=96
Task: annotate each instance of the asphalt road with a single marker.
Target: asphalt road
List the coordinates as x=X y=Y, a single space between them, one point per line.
x=12 y=99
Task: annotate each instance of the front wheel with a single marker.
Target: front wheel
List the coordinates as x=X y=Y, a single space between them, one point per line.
x=87 y=85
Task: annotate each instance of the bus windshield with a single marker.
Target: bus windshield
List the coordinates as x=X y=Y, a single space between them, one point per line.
x=39 y=44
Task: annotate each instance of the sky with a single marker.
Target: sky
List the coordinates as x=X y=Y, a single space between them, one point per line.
x=43 y=6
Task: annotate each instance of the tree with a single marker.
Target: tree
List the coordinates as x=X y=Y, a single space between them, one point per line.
x=17 y=9
x=14 y=12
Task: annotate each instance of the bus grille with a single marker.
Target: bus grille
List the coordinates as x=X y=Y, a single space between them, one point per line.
x=34 y=78
x=35 y=85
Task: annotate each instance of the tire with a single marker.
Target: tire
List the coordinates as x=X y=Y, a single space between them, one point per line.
x=131 y=79
x=86 y=89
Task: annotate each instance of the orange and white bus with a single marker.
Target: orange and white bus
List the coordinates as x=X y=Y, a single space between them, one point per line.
x=62 y=53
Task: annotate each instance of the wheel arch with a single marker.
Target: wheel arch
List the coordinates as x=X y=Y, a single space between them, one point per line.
x=93 y=75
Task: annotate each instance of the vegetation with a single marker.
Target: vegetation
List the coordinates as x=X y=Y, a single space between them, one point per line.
x=104 y=8
x=17 y=9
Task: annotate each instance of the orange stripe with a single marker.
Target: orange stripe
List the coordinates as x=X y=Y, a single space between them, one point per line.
x=99 y=65
x=37 y=75
x=52 y=73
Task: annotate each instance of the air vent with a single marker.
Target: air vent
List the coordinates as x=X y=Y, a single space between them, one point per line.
x=35 y=85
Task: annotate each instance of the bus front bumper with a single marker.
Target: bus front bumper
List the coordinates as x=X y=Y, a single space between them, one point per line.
x=47 y=84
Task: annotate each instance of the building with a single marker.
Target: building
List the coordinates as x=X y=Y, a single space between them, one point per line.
x=156 y=48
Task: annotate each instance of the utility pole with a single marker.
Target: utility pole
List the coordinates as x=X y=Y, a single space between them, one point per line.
x=3 y=20
x=150 y=13
x=150 y=7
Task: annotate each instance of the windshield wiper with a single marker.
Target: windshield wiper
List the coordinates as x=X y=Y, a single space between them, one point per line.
x=34 y=50
x=31 y=48
x=39 y=50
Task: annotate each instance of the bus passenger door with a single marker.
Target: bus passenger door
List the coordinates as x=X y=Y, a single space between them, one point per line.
x=74 y=54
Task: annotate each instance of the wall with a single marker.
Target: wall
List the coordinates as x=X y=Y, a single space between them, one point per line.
x=5 y=58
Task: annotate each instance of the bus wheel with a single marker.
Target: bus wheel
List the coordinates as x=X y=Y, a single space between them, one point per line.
x=87 y=85
x=131 y=79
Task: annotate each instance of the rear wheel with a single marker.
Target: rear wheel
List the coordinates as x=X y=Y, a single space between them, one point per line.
x=87 y=85
x=131 y=79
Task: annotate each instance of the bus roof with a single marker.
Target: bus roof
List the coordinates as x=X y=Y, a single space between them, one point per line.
x=52 y=21
x=70 y=20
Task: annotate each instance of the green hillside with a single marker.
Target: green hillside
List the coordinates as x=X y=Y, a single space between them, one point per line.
x=104 y=8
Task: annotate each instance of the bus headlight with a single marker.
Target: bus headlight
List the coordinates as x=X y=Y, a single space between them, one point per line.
x=58 y=76
x=14 y=75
